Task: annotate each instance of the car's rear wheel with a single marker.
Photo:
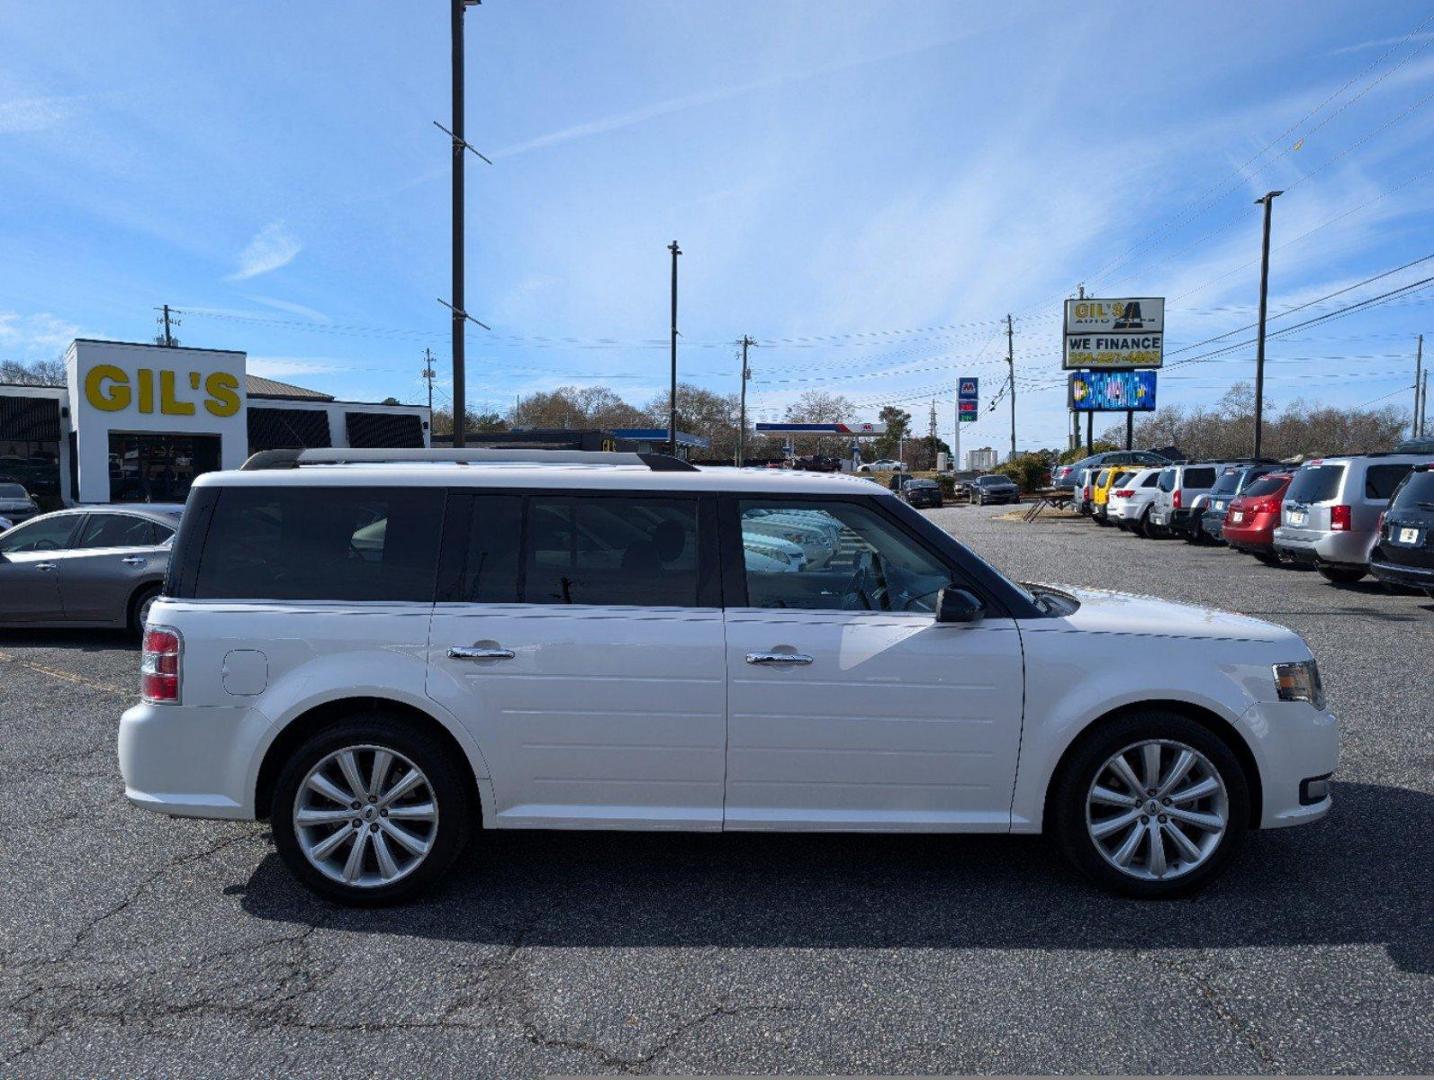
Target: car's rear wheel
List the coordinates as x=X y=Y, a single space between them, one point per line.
x=1339 y=575
x=371 y=811
x=139 y=606
x=1151 y=805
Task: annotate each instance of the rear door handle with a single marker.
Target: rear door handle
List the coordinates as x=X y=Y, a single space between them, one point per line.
x=45 y=566
x=133 y=560
x=778 y=658
x=474 y=652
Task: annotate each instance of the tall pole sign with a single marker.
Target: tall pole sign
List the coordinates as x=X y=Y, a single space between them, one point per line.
x=1108 y=339
x=968 y=400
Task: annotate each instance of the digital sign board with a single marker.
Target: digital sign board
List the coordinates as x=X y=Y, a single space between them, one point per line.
x=1112 y=391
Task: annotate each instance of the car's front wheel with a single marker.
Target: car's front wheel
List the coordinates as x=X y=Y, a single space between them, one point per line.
x=1151 y=805
x=371 y=811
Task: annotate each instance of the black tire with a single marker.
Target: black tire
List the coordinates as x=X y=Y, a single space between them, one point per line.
x=1196 y=535
x=1339 y=575
x=1141 y=526
x=1066 y=813
x=1268 y=558
x=447 y=777
x=134 y=621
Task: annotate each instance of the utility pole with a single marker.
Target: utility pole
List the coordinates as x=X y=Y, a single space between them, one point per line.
x=166 y=320
x=1269 y=200
x=1011 y=362
x=460 y=387
x=672 y=393
x=1424 y=408
x=1075 y=416
x=1418 y=391
x=428 y=374
x=747 y=343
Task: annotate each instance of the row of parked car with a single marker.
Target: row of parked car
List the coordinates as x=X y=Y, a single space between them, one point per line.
x=1347 y=517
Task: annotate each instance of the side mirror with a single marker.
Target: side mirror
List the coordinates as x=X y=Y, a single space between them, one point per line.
x=956 y=605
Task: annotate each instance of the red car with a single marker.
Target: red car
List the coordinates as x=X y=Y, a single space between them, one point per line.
x=1250 y=522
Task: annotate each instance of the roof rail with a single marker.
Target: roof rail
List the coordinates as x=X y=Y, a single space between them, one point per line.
x=293 y=459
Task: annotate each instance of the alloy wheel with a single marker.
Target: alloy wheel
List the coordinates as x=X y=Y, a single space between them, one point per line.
x=1157 y=810
x=365 y=816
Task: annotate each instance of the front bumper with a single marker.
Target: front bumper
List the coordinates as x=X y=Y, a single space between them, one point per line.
x=191 y=761
x=1293 y=743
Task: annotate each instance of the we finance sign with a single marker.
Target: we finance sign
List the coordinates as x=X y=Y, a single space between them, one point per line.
x=1115 y=334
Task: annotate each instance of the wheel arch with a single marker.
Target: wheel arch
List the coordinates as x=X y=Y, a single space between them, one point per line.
x=131 y=606
x=320 y=716
x=1212 y=721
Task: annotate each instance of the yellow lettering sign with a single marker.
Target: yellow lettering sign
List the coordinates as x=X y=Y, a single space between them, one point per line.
x=168 y=404
x=223 y=391
x=107 y=388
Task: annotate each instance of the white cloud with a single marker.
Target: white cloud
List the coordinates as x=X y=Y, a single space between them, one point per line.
x=1379 y=43
x=271 y=248
x=36 y=336
x=292 y=308
x=274 y=367
x=33 y=114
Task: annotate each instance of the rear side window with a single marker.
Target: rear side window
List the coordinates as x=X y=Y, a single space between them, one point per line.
x=119 y=530
x=1202 y=477
x=1315 y=483
x=1167 y=480
x=611 y=550
x=1227 y=484
x=1151 y=480
x=1381 y=480
x=307 y=543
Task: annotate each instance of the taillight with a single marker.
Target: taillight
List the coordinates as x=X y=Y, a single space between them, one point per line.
x=1123 y=493
x=1339 y=518
x=1175 y=500
x=159 y=666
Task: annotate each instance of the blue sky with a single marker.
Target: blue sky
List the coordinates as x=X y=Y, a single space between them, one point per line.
x=843 y=179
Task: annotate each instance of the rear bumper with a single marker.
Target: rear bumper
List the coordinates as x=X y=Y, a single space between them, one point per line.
x=1213 y=523
x=1416 y=577
x=1323 y=548
x=189 y=761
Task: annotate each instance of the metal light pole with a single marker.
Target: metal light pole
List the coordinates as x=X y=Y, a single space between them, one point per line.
x=1418 y=385
x=1268 y=199
x=672 y=393
x=460 y=389
x=747 y=343
x=1011 y=360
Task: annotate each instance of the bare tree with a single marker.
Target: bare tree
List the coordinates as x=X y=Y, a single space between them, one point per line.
x=38 y=373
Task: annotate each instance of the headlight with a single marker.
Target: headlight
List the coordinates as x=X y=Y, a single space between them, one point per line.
x=1300 y=682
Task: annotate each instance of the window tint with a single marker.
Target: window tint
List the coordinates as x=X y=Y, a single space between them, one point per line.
x=1102 y=478
x=1167 y=480
x=1315 y=483
x=1266 y=485
x=1381 y=480
x=12 y=491
x=321 y=544
x=611 y=550
x=1201 y=477
x=490 y=573
x=42 y=534
x=117 y=530
x=1151 y=480
x=1227 y=484
x=1417 y=492
x=834 y=557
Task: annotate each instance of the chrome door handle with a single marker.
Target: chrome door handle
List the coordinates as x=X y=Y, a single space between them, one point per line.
x=45 y=566
x=473 y=652
x=779 y=658
x=133 y=560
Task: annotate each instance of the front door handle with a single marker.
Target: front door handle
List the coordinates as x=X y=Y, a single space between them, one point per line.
x=45 y=566
x=133 y=560
x=475 y=652
x=778 y=658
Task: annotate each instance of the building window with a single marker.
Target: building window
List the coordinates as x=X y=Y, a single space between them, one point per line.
x=287 y=429
x=30 y=446
x=158 y=468
x=384 y=430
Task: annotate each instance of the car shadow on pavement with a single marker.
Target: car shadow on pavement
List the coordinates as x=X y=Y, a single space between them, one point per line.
x=79 y=640
x=1362 y=876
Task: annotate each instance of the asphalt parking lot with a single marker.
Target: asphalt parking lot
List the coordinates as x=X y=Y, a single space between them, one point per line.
x=133 y=944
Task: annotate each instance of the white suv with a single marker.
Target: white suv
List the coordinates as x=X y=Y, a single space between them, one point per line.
x=385 y=651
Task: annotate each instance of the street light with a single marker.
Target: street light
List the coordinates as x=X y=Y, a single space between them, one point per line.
x=1268 y=199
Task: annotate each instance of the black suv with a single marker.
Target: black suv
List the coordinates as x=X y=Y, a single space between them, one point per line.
x=1404 y=548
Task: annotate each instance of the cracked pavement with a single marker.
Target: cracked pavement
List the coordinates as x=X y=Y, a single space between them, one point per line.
x=134 y=944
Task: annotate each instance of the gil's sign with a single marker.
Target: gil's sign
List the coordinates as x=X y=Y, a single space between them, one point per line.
x=1112 y=391
x=1115 y=334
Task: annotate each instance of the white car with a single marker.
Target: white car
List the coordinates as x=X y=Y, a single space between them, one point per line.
x=784 y=552
x=1129 y=502
x=557 y=640
x=883 y=465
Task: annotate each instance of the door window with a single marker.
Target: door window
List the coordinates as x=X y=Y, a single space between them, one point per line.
x=1381 y=480
x=1199 y=478
x=44 y=534
x=834 y=557
x=117 y=530
x=490 y=571
x=611 y=550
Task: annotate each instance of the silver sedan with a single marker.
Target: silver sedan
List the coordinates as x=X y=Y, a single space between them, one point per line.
x=100 y=566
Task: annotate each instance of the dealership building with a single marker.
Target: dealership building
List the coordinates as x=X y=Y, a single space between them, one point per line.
x=137 y=423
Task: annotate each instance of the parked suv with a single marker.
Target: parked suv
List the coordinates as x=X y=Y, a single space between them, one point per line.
x=383 y=651
x=1230 y=485
x=1129 y=502
x=1173 y=509
x=1069 y=475
x=1331 y=512
x=1404 y=548
x=1254 y=514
